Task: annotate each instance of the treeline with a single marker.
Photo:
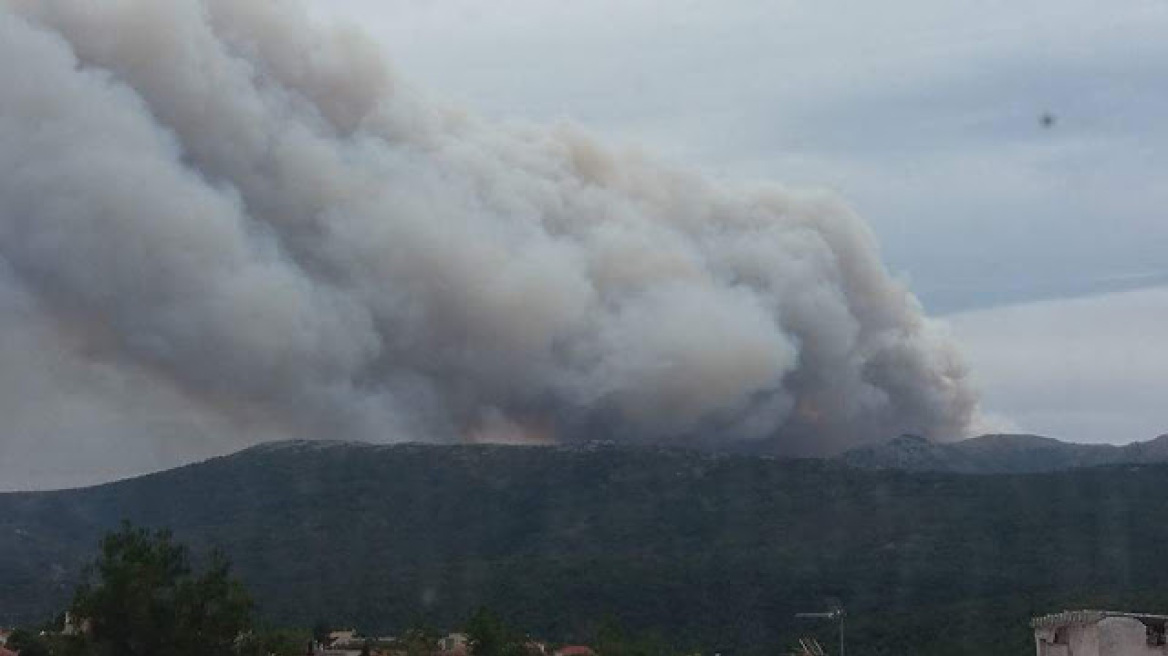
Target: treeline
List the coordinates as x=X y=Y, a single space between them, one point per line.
x=143 y=596
x=703 y=554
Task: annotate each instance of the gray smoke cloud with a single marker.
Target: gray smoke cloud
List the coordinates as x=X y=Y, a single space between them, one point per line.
x=238 y=225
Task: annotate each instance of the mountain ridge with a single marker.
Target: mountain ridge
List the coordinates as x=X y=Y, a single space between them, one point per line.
x=714 y=551
x=1000 y=454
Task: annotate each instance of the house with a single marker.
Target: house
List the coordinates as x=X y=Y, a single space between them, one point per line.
x=1100 y=633
x=454 y=644
x=574 y=650
x=342 y=638
x=319 y=650
x=73 y=627
x=345 y=642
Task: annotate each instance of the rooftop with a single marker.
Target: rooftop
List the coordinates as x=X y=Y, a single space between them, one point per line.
x=1068 y=617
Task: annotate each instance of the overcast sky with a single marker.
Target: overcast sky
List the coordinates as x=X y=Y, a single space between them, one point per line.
x=925 y=116
x=1009 y=159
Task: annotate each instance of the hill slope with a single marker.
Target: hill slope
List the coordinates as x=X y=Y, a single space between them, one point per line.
x=714 y=552
x=1001 y=454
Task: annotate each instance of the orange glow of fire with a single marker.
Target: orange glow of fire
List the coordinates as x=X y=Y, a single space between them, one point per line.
x=496 y=429
x=809 y=412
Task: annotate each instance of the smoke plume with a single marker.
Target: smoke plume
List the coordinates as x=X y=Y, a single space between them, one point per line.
x=220 y=223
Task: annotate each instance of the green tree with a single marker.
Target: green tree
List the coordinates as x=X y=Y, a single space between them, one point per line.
x=610 y=638
x=275 y=642
x=321 y=630
x=484 y=632
x=142 y=598
x=27 y=643
x=488 y=635
x=420 y=640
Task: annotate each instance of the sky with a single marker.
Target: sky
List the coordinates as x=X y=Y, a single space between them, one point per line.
x=1006 y=159
x=1043 y=247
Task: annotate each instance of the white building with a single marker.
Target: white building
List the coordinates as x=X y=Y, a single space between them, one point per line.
x=1100 y=633
x=455 y=644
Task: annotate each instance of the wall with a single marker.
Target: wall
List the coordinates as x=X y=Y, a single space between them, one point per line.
x=1125 y=636
x=1112 y=636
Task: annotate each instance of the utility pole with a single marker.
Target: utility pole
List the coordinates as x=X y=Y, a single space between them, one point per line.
x=837 y=614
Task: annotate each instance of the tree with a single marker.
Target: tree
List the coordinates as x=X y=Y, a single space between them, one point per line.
x=143 y=599
x=420 y=640
x=26 y=643
x=488 y=635
x=275 y=642
x=321 y=630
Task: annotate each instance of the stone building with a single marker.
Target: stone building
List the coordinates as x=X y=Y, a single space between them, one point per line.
x=1100 y=633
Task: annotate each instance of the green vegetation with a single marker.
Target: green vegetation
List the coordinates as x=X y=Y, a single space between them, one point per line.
x=142 y=598
x=271 y=641
x=146 y=600
x=418 y=640
x=27 y=643
x=613 y=639
x=690 y=552
x=488 y=635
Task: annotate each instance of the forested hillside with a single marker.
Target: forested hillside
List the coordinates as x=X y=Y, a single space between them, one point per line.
x=1001 y=454
x=710 y=552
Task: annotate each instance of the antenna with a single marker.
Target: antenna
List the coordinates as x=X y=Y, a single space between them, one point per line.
x=836 y=613
x=809 y=647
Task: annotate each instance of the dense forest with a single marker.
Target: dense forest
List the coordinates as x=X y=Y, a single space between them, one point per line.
x=703 y=552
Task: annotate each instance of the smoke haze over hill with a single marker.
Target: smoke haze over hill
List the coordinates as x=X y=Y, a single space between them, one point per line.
x=220 y=224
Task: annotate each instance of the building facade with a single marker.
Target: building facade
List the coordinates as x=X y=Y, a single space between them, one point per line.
x=1100 y=633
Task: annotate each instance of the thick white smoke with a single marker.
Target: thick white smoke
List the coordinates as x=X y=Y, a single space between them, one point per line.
x=217 y=199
